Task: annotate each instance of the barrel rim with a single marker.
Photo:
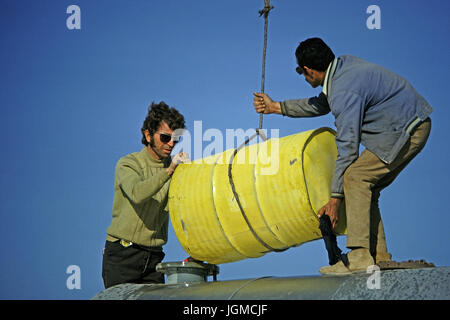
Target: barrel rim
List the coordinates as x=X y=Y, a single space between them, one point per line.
x=310 y=137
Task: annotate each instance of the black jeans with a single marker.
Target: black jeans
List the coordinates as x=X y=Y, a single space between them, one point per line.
x=133 y=264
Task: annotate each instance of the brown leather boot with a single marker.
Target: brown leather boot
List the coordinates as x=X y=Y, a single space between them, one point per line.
x=359 y=260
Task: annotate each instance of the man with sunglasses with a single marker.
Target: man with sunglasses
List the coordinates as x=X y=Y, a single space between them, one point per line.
x=374 y=107
x=139 y=224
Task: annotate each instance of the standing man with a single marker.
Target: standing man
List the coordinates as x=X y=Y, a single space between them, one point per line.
x=372 y=106
x=140 y=216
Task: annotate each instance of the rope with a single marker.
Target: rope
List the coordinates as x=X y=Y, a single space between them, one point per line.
x=265 y=12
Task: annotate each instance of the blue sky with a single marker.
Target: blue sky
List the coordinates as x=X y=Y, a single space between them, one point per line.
x=73 y=101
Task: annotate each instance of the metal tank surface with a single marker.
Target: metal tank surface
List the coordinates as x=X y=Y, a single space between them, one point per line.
x=406 y=284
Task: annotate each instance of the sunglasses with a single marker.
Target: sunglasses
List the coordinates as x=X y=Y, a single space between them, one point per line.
x=299 y=70
x=165 y=137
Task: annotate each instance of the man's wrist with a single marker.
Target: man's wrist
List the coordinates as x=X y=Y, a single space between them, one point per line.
x=277 y=107
x=335 y=201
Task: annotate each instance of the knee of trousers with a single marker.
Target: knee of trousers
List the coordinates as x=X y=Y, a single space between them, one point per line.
x=352 y=176
x=355 y=177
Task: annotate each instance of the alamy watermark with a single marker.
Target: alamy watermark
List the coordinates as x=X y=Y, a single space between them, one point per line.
x=209 y=146
x=74 y=280
x=374 y=20
x=73 y=22
x=374 y=280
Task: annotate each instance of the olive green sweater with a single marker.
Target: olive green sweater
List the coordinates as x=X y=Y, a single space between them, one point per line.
x=140 y=212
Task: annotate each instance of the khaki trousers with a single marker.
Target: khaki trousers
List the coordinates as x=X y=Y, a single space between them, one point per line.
x=363 y=181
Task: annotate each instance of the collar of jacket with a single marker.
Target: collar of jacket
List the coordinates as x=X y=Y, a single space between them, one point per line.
x=155 y=162
x=329 y=77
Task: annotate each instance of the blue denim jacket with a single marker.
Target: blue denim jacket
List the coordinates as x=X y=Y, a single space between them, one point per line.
x=371 y=105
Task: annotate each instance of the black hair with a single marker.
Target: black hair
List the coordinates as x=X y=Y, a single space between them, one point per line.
x=161 y=112
x=314 y=54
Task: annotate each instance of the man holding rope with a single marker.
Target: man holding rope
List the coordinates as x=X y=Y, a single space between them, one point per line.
x=374 y=107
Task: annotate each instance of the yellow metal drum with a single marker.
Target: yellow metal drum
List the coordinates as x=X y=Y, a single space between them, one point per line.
x=280 y=185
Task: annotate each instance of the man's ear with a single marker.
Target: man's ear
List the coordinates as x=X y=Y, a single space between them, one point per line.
x=147 y=135
x=308 y=70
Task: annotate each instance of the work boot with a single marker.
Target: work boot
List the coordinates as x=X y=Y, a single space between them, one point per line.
x=338 y=268
x=358 y=261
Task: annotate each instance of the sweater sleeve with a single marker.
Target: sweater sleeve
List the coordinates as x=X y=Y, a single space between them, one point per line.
x=349 y=115
x=130 y=179
x=307 y=107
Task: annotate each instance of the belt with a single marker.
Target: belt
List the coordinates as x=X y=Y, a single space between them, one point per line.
x=125 y=243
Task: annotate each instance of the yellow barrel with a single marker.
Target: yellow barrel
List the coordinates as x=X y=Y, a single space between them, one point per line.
x=280 y=184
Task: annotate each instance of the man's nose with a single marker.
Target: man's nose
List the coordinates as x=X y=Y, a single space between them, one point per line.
x=171 y=143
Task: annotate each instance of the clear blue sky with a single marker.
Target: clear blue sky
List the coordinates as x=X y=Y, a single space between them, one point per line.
x=73 y=101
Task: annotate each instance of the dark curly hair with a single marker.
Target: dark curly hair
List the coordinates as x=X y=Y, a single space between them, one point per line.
x=161 y=112
x=314 y=54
